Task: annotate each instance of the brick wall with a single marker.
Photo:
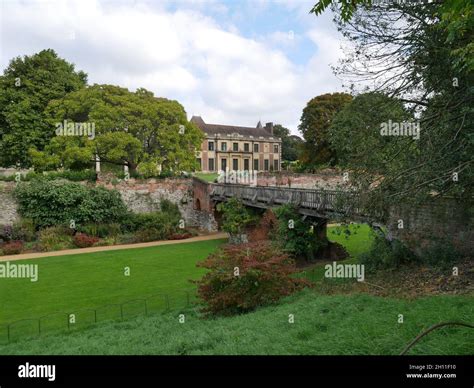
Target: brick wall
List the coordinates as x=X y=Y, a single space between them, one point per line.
x=444 y=219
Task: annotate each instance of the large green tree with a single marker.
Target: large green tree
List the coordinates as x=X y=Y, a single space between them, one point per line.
x=27 y=85
x=421 y=54
x=130 y=128
x=315 y=121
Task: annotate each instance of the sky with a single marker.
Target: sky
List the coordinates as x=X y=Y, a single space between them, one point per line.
x=229 y=61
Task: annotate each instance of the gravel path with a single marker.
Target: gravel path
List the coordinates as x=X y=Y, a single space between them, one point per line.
x=37 y=255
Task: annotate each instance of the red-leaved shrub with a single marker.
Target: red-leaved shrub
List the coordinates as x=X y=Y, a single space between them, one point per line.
x=180 y=236
x=82 y=240
x=243 y=277
x=12 y=248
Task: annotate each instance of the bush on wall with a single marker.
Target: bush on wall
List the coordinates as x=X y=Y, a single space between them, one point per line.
x=243 y=277
x=295 y=235
x=59 y=202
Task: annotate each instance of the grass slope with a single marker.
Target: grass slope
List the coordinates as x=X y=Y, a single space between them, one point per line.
x=330 y=325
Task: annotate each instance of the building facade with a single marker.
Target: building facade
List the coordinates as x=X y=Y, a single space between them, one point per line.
x=228 y=147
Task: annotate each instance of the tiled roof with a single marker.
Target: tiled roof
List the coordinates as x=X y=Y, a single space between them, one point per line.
x=214 y=129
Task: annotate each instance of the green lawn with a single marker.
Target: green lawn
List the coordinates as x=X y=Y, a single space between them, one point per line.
x=357 y=242
x=333 y=325
x=206 y=176
x=87 y=281
x=324 y=324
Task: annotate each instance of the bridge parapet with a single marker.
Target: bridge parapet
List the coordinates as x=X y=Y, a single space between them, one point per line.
x=320 y=203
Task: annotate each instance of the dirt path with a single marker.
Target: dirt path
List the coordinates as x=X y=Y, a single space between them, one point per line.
x=38 y=255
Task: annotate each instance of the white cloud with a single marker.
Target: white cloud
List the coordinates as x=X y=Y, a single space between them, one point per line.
x=183 y=54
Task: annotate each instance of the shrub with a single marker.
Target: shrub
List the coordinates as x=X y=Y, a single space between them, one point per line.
x=55 y=238
x=12 y=248
x=264 y=276
x=159 y=232
x=24 y=230
x=100 y=230
x=295 y=235
x=165 y=223
x=82 y=240
x=384 y=254
x=235 y=216
x=59 y=202
x=441 y=253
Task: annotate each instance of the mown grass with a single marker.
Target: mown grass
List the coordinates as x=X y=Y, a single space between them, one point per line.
x=206 y=176
x=70 y=284
x=329 y=325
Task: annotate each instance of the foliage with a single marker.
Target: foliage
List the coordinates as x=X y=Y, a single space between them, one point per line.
x=315 y=121
x=131 y=128
x=295 y=235
x=441 y=253
x=24 y=230
x=384 y=254
x=13 y=247
x=264 y=276
x=27 y=85
x=235 y=216
x=290 y=144
x=99 y=229
x=73 y=176
x=423 y=61
x=55 y=238
x=59 y=202
x=82 y=240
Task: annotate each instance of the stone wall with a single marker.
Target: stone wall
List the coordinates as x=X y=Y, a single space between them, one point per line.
x=139 y=197
x=8 y=206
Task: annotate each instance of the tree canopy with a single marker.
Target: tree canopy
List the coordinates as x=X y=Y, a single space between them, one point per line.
x=129 y=128
x=315 y=122
x=27 y=85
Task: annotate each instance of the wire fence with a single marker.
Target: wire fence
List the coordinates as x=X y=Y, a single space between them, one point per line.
x=86 y=317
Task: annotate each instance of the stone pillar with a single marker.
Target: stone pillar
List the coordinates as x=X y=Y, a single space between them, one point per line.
x=320 y=230
x=97 y=163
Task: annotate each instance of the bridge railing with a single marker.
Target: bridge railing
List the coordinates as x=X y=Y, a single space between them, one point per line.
x=322 y=200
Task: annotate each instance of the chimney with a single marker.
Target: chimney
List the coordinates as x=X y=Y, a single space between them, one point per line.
x=269 y=128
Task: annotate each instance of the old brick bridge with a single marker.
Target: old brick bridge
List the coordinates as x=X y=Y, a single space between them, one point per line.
x=446 y=219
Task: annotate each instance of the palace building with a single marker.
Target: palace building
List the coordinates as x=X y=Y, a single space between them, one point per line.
x=228 y=147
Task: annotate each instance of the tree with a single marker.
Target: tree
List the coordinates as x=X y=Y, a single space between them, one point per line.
x=424 y=60
x=315 y=121
x=129 y=128
x=27 y=85
x=290 y=144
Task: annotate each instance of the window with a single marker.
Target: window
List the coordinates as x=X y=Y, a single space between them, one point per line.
x=235 y=164
x=266 y=164
x=198 y=161
x=211 y=164
x=255 y=165
x=235 y=146
x=246 y=147
x=246 y=164
x=275 y=148
x=224 y=164
x=255 y=147
x=224 y=146
x=210 y=146
x=276 y=165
